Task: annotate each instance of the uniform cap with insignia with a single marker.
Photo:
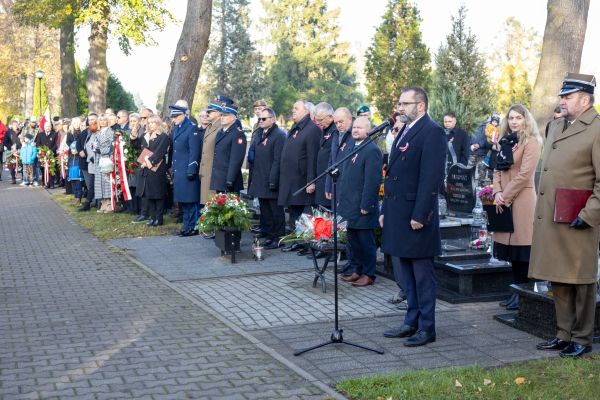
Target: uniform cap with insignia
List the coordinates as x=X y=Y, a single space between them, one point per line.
x=224 y=101
x=175 y=111
x=577 y=83
x=363 y=109
x=229 y=110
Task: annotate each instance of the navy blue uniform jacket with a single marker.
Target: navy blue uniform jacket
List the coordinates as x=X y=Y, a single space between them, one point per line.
x=414 y=176
x=187 y=146
x=299 y=163
x=230 y=150
x=359 y=188
x=267 y=157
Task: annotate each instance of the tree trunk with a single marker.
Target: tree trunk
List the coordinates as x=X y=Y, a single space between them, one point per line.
x=97 y=70
x=68 y=80
x=191 y=48
x=561 y=53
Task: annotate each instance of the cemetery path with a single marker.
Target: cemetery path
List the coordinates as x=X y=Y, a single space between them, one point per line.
x=78 y=320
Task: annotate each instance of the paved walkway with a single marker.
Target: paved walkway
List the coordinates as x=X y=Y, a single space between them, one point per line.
x=80 y=321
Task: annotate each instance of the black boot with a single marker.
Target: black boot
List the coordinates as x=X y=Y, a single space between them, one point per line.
x=506 y=302
x=513 y=305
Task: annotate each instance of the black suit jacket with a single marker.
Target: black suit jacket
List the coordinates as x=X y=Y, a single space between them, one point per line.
x=461 y=143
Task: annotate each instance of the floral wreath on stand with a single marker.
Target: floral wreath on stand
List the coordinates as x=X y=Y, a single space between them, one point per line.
x=224 y=211
x=317 y=227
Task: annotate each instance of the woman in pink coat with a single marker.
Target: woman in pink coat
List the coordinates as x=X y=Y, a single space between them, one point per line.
x=519 y=149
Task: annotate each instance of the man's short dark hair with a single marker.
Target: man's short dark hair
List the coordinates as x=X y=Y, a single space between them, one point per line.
x=420 y=94
x=92 y=114
x=450 y=114
x=270 y=112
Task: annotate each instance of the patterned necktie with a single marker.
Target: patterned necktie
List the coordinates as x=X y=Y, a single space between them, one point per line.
x=402 y=136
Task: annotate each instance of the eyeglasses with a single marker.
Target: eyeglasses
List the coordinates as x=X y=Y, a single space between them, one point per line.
x=403 y=104
x=264 y=119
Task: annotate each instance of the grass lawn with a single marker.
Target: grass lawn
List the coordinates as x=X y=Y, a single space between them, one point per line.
x=553 y=378
x=113 y=225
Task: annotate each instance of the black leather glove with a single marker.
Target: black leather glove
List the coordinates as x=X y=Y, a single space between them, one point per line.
x=229 y=186
x=272 y=187
x=191 y=177
x=579 y=224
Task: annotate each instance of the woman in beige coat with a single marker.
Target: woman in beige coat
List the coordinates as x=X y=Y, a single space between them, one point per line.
x=519 y=149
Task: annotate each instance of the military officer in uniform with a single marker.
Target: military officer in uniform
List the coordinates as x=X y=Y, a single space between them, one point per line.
x=409 y=218
x=187 y=144
x=358 y=203
x=264 y=184
x=567 y=254
x=208 y=149
x=299 y=166
x=230 y=150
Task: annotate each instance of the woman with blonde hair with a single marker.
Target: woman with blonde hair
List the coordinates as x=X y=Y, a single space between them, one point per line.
x=103 y=148
x=519 y=151
x=152 y=180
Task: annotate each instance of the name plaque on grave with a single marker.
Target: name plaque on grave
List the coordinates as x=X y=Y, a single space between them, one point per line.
x=460 y=188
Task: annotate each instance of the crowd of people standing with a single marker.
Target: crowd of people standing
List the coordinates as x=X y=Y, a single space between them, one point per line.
x=184 y=163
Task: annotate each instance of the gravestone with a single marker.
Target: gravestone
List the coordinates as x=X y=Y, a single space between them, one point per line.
x=460 y=189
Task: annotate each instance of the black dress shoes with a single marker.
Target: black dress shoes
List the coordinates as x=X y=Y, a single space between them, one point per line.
x=293 y=247
x=256 y=230
x=403 y=331
x=554 y=344
x=421 y=338
x=514 y=304
x=138 y=219
x=150 y=222
x=575 y=350
x=267 y=242
x=85 y=207
x=271 y=246
x=304 y=252
x=191 y=232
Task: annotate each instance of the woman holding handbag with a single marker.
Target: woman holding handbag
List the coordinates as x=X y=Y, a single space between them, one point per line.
x=518 y=155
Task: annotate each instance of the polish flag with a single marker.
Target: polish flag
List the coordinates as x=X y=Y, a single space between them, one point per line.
x=45 y=118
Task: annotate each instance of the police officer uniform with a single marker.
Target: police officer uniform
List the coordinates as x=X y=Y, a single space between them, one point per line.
x=187 y=147
x=230 y=150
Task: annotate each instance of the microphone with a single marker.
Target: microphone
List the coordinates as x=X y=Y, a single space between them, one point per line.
x=388 y=122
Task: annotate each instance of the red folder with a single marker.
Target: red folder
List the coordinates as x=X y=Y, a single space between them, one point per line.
x=568 y=203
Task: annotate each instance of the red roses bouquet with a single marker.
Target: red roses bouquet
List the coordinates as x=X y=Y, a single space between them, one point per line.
x=224 y=211
x=316 y=227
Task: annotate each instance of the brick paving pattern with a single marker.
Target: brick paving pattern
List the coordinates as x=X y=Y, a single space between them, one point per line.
x=79 y=321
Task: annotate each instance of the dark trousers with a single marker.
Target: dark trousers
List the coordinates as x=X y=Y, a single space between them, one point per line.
x=520 y=271
x=418 y=280
x=156 y=208
x=190 y=213
x=89 y=182
x=76 y=188
x=363 y=250
x=133 y=204
x=13 y=174
x=144 y=210
x=274 y=218
x=575 y=307
x=397 y=274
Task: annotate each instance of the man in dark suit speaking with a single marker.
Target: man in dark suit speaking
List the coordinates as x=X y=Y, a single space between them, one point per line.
x=409 y=218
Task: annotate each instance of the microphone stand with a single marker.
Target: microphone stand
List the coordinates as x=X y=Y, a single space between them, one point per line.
x=334 y=172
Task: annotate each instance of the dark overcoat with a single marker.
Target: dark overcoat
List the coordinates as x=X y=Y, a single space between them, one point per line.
x=187 y=146
x=230 y=150
x=461 y=143
x=267 y=158
x=359 y=188
x=153 y=185
x=323 y=158
x=338 y=149
x=414 y=177
x=49 y=140
x=299 y=163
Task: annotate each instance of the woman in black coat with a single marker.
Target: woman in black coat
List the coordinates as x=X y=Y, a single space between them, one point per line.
x=152 y=185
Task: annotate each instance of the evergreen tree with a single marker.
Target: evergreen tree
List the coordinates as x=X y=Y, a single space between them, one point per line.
x=397 y=56
x=117 y=97
x=309 y=61
x=234 y=66
x=460 y=82
x=518 y=54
